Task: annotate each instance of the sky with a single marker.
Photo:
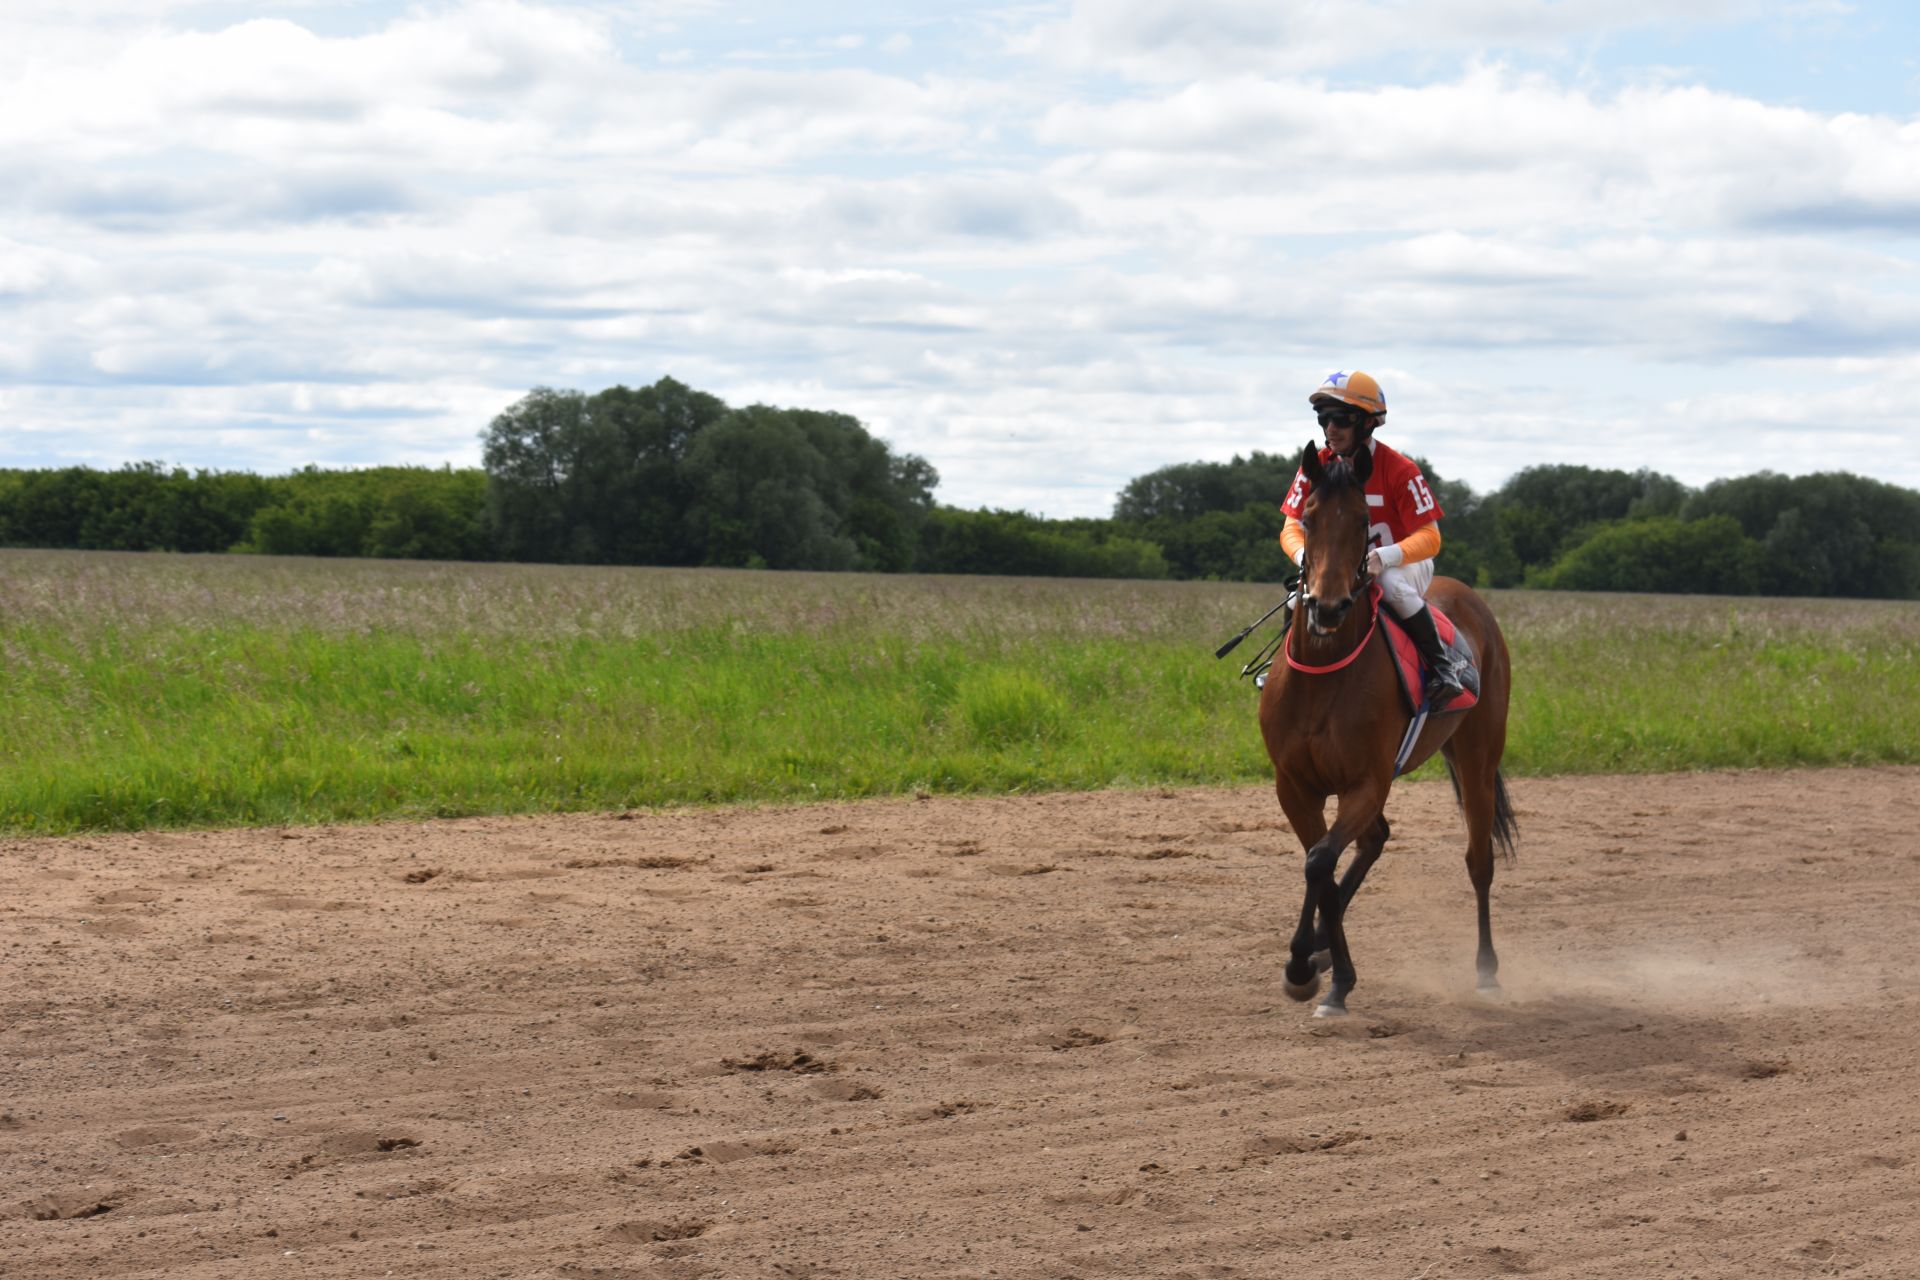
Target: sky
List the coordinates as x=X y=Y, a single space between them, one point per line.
x=1047 y=246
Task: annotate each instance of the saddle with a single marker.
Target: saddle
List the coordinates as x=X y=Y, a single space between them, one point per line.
x=1412 y=672
x=1407 y=665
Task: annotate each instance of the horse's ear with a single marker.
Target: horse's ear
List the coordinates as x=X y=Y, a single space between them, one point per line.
x=1362 y=463
x=1310 y=464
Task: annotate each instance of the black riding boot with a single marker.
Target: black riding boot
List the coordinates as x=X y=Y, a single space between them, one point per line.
x=1443 y=681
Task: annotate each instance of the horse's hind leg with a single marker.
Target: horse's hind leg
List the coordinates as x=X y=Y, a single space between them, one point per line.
x=1366 y=852
x=1478 y=783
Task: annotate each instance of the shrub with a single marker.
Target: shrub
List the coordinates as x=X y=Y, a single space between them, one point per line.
x=1662 y=554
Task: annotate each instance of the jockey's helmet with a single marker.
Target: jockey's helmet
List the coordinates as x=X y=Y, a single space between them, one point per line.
x=1355 y=388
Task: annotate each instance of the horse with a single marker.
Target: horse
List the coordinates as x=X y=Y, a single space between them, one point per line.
x=1335 y=730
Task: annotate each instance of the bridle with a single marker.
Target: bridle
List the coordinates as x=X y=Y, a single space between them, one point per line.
x=1362 y=585
x=1362 y=576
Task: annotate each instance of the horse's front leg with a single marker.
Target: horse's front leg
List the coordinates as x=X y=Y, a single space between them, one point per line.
x=1359 y=814
x=1307 y=815
x=1365 y=854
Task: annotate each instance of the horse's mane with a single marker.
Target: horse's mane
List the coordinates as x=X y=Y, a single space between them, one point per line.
x=1339 y=477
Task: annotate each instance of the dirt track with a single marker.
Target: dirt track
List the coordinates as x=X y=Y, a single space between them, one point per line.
x=1015 y=1037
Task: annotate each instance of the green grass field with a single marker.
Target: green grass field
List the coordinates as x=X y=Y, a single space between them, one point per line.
x=147 y=690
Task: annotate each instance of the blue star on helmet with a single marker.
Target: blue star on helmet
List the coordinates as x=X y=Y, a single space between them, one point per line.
x=1335 y=380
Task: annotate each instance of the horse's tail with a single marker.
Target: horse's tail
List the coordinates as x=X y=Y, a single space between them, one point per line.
x=1506 y=828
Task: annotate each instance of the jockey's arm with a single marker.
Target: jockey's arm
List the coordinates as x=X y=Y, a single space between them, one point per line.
x=1293 y=539
x=1422 y=544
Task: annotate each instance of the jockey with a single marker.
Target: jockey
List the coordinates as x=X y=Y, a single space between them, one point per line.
x=1404 y=530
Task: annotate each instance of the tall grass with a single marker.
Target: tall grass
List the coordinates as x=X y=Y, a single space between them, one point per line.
x=141 y=691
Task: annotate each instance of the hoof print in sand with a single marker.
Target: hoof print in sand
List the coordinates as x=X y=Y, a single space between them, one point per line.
x=120 y=897
x=1074 y=1038
x=1588 y=1112
x=360 y=1144
x=728 y=1152
x=400 y=1190
x=641 y=1100
x=659 y=1231
x=1263 y=1149
x=800 y=1062
x=155 y=1135
x=64 y=1205
x=845 y=1091
x=645 y=862
x=1505 y=1261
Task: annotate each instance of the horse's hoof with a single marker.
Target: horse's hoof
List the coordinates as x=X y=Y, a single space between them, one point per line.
x=1323 y=960
x=1300 y=992
x=1490 y=991
x=1328 y=1009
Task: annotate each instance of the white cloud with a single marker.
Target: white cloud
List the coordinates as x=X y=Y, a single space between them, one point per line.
x=252 y=243
x=1178 y=40
x=1492 y=149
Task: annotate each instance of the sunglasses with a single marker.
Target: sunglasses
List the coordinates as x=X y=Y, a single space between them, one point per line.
x=1350 y=419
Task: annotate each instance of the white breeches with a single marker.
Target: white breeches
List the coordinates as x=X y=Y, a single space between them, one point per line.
x=1405 y=587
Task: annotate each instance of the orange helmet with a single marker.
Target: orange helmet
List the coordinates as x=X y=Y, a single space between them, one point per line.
x=1356 y=388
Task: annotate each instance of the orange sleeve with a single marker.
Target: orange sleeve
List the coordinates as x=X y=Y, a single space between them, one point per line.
x=1422 y=544
x=1292 y=539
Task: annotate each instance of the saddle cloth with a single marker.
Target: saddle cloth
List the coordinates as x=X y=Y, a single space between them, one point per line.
x=1406 y=661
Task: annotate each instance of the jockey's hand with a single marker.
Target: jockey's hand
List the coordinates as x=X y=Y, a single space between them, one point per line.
x=1375 y=565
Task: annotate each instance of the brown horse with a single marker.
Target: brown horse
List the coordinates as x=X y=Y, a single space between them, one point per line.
x=1336 y=732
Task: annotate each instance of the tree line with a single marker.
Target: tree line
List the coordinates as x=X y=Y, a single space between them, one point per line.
x=415 y=513
x=1575 y=528
x=667 y=475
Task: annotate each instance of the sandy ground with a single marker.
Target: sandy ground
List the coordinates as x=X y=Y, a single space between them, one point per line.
x=1029 y=1037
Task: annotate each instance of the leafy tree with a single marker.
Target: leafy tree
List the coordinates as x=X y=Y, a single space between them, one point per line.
x=639 y=441
x=320 y=524
x=802 y=489
x=1662 y=553
x=668 y=475
x=1537 y=514
x=1233 y=546
x=432 y=516
x=1533 y=533
x=1830 y=533
x=1660 y=495
x=140 y=507
x=413 y=512
x=1013 y=542
x=539 y=456
x=761 y=493
x=1189 y=490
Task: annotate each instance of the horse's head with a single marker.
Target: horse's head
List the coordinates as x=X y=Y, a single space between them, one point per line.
x=1335 y=518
